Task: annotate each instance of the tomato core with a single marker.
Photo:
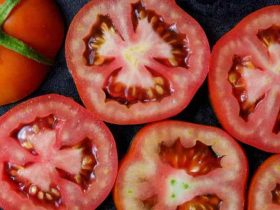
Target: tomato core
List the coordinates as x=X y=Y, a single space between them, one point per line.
x=196 y=161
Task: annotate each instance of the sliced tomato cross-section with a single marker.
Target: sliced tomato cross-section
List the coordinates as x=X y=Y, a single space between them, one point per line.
x=54 y=155
x=174 y=165
x=264 y=191
x=244 y=80
x=136 y=61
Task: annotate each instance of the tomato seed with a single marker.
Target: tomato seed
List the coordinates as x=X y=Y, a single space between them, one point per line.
x=32 y=189
x=49 y=197
x=55 y=192
x=40 y=195
x=27 y=145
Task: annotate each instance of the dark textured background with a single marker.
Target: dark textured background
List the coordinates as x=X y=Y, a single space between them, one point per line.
x=216 y=17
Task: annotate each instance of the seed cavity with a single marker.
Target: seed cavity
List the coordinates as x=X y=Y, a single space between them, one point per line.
x=203 y=202
x=270 y=35
x=196 y=161
x=128 y=95
x=168 y=32
x=150 y=202
x=96 y=39
x=276 y=127
x=51 y=197
x=276 y=194
x=88 y=164
x=24 y=132
x=238 y=84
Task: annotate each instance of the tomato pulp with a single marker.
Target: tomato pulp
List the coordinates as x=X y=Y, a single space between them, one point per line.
x=244 y=80
x=136 y=61
x=54 y=155
x=178 y=165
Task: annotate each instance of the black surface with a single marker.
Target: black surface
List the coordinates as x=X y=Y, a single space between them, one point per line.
x=216 y=17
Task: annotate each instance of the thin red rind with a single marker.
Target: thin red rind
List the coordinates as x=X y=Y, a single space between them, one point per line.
x=237 y=31
x=136 y=144
x=150 y=118
x=255 y=181
x=88 y=115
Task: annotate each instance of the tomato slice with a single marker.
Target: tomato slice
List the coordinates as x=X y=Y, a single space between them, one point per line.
x=136 y=61
x=244 y=80
x=264 y=190
x=178 y=165
x=54 y=155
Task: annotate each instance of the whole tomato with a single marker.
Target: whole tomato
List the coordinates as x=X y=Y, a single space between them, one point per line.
x=40 y=26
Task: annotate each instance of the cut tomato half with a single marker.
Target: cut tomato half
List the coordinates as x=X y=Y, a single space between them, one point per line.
x=265 y=187
x=244 y=80
x=177 y=165
x=54 y=155
x=136 y=61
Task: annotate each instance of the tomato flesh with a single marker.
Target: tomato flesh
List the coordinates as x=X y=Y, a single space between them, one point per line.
x=48 y=164
x=176 y=165
x=134 y=55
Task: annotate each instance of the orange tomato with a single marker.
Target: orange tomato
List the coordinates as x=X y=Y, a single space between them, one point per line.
x=40 y=25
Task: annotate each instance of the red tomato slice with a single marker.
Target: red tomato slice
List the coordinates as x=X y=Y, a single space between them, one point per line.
x=136 y=61
x=177 y=165
x=244 y=80
x=264 y=191
x=54 y=155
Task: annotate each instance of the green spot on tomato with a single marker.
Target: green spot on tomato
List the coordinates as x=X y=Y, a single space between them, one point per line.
x=173 y=181
x=185 y=186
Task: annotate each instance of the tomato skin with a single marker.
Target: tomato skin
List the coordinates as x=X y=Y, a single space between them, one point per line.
x=143 y=156
x=263 y=183
x=242 y=40
x=40 y=25
x=66 y=109
x=91 y=91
